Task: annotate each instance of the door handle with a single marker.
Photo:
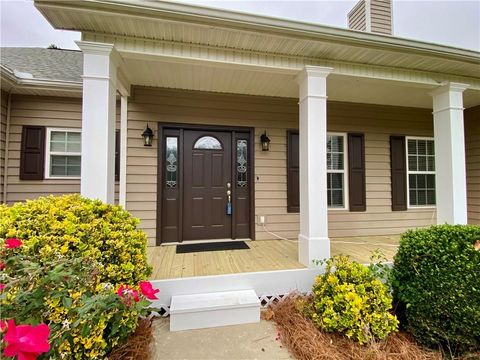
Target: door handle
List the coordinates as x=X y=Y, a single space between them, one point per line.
x=229 y=195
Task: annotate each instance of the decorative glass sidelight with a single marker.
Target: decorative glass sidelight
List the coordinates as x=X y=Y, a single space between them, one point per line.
x=242 y=163
x=171 y=162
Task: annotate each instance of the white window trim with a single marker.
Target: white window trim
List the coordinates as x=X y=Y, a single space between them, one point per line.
x=419 y=172
x=346 y=204
x=48 y=154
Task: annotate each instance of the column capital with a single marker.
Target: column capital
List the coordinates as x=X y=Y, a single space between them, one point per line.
x=313 y=71
x=96 y=48
x=449 y=87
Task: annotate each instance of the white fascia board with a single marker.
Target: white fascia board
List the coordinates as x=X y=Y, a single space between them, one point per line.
x=180 y=12
x=38 y=84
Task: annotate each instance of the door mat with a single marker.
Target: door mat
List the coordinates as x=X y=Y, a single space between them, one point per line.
x=214 y=246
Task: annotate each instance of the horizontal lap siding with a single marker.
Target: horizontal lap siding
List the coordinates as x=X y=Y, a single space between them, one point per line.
x=472 y=145
x=149 y=105
x=274 y=115
x=381 y=15
x=3 y=125
x=356 y=18
x=378 y=123
x=42 y=111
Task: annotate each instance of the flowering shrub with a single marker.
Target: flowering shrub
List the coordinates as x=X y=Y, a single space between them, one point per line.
x=349 y=298
x=86 y=317
x=77 y=266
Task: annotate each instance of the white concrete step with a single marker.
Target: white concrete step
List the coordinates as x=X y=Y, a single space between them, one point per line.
x=198 y=311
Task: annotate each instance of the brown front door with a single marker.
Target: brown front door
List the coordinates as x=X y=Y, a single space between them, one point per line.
x=207 y=173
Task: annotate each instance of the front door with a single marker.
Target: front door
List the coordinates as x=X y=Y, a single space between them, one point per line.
x=205 y=182
x=207 y=173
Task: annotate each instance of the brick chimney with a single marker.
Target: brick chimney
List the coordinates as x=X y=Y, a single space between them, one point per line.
x=372 y=16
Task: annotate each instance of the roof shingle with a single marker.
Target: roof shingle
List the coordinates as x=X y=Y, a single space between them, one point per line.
x=51 y=64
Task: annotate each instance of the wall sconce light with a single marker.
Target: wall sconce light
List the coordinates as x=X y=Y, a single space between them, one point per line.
x=147 y=136
x=265 y=141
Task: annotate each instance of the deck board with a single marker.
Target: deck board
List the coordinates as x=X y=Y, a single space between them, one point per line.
x=263 y=255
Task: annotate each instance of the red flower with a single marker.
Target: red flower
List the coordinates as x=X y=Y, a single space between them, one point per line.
x=3 y=325
x=12 y=243
x=2 y=265
x=2 y=286
x=26 y=341
x=148 y=291
x=126 y=292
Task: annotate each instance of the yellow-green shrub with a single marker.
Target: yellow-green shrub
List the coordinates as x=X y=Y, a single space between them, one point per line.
x=349 y=298
x=73 y=226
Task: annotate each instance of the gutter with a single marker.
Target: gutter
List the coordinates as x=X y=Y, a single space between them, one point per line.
x=175 y=11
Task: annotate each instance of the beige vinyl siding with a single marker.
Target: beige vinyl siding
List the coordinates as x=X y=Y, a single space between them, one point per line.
x=381 y=16
x=472 y=145
x=43 y=111
x=357 y=17
x=3 y=125
x=149 y=105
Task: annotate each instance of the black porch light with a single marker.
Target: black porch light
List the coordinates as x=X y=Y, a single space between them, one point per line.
x=147 y=136
x=265 y=141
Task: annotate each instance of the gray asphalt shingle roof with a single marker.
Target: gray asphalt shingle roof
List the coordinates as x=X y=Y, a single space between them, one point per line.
x=51 y=64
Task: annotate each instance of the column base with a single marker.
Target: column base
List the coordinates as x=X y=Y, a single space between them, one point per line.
x=312 y=248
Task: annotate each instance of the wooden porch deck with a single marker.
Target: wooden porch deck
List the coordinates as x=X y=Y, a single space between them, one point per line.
x=263 y=255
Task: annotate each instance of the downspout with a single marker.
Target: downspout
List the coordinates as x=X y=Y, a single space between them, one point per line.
x=7 y=141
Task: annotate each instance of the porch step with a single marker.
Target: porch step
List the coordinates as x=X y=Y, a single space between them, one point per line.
x=198 y=311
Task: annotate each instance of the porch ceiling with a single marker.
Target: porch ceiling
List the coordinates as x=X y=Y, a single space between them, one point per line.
x=188 y=24
x=255 y=82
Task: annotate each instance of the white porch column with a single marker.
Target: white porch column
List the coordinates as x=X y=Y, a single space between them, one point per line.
x=100 y=62
x=313 y=241
x=451 y=183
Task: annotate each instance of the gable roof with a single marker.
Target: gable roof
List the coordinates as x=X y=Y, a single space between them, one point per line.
x=43 y=64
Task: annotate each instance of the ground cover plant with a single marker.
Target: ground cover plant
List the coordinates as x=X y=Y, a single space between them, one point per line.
x=73 y=278
x=436 y=280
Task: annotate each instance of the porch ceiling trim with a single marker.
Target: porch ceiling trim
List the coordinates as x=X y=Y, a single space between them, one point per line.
x=176 y=22
x=167 y=51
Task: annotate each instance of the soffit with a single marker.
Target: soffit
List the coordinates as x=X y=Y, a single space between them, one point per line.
x=188 y=24
x=240 y=81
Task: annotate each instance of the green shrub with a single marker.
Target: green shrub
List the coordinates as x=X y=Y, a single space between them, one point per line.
x=436 y=279
x=349 y=298
x=75 y=254
x=76 y=227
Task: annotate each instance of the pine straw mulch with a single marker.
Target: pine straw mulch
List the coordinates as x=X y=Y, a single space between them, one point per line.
x=306 y=342
x=137 y=345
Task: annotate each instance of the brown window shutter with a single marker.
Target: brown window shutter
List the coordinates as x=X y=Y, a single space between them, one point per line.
x=117 y=155
x=32 y=157
x=399 y=173
x=293 y=175
x=356 y=172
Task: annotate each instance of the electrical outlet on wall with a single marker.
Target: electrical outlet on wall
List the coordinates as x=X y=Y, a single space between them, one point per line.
x=262 y=219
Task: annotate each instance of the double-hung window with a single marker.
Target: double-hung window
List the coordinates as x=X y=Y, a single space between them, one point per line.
x=421 y=171
x=63 y=155
x=336 y=175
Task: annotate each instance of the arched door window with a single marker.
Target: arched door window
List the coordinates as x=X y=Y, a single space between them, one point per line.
x=208 y=143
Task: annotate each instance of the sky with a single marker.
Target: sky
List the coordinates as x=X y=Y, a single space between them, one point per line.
x=448 y=22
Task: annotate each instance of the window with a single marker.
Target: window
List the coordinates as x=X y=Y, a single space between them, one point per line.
x=421 y=171
x=208 y=143
x=171 y=163
x=63 y=155
x=242 y=163
x=336 y=170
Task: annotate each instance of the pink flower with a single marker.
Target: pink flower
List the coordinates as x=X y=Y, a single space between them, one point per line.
x=148 y=291
x=3 y=325
x=2 y=286
x=126 y=292
x=26 y=341
x=12 y=243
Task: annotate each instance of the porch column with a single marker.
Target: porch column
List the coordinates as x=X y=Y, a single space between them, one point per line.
x=451 y=184
x=100 y=62
x=313 y=241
